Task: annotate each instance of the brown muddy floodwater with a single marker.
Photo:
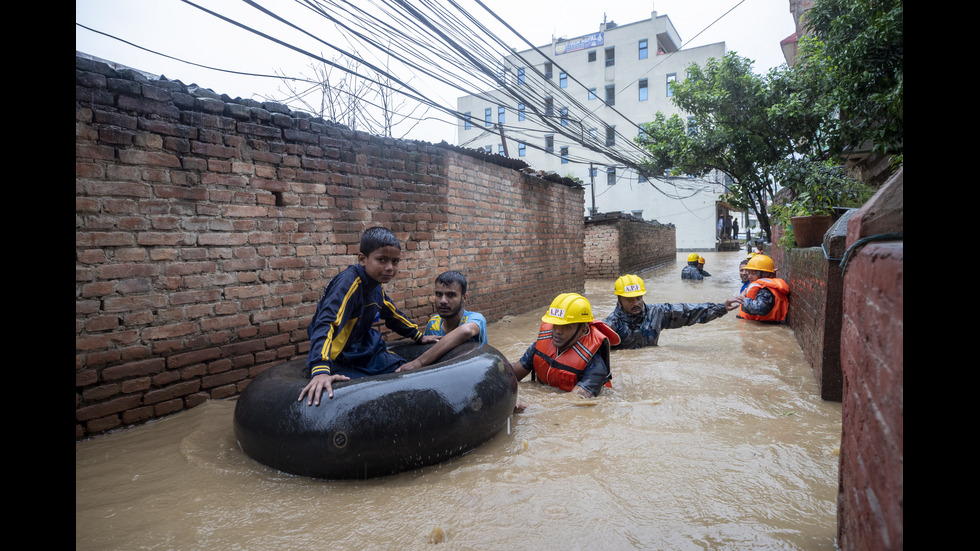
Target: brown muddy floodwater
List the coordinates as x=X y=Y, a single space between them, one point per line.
x=716 y=439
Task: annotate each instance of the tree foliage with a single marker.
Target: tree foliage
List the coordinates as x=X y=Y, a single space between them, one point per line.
x=846 y=90
x=858 y=45
x=732 y=129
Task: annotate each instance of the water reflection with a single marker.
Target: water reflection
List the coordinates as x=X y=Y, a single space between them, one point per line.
x=716 y=439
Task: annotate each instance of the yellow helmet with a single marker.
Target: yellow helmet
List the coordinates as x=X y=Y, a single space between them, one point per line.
x=700 y=260
x=761 y=263
x=630 y=286
x=568 y=308
x=693 y=257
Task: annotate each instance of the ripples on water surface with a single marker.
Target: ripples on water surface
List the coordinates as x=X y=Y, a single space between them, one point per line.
x=716 y=439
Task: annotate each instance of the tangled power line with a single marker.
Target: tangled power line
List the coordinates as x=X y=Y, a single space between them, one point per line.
x=443 y=42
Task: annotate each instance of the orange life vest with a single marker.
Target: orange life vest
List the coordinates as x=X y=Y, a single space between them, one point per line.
x=779 y=288
x=564 y=371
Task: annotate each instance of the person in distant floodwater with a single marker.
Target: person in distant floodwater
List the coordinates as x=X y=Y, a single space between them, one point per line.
x=701 y=269
x=691 y=271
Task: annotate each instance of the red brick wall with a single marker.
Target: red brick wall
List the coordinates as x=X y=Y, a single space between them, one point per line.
x=206 y=230
x=617 y=244
x=871 y=500
x=815 y=306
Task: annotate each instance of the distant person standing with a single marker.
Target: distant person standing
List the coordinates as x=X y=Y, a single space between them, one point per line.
x=735 y=229
x=721 y=226
x=727 y=227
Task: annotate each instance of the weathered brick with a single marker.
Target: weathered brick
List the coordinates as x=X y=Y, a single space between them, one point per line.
x=206 y=232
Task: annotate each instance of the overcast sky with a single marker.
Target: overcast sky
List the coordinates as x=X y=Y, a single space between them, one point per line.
x=753 y=28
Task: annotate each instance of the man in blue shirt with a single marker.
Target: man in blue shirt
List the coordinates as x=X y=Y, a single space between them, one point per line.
x=453 y=324
x=450 y=294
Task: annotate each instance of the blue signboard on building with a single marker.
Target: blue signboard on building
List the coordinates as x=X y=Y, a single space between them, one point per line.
x=581 y=43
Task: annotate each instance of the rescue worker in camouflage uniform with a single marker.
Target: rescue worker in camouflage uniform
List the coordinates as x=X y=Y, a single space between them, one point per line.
x=691 y=271
x=639 y=324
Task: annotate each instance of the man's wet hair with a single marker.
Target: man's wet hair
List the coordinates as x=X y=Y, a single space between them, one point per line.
x=450 y=277
x=374 y=238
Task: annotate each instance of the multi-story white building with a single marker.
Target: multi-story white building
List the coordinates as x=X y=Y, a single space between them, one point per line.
x=575 y=106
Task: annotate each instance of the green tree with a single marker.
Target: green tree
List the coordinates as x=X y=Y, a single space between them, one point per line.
x=857 y=47
x=732 y=128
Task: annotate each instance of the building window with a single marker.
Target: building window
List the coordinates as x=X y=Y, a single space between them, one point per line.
x=643 y=89
x=564 y=116
x=591 y=56
x=593 y=133
x=467 y=121
x=644 y=49
x=548 y=69
x=500 y=114
x=520 y=75
x=488 y=117
x=488 y=149
x=500 y=149
x=520 y=111
x=610 y=56
x=593 y=173
x=564 y=155
x=641 y=177
x=562 y=80
x=671 y=79
x=592 y=94
x=692 y=126
x=610 y=135
x=549 y=143
x=521 y=149
x=611 y=94
x=549 y=106
x=637 y=213
x=611 y=175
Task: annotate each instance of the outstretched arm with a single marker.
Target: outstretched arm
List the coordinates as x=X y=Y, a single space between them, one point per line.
x=445 y=343
x=683 y=314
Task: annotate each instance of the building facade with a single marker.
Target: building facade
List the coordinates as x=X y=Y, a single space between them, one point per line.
x=574 y=107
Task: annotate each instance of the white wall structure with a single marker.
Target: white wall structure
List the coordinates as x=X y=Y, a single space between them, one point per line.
x=577 y=103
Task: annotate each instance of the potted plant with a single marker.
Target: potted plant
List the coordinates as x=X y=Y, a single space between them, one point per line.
x=816 y=189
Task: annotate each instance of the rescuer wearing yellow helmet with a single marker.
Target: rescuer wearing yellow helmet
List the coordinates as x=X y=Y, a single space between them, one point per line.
x=701 y=267
x=767 y=296
x=572 y=349
x=639 y=324
x=691 y=271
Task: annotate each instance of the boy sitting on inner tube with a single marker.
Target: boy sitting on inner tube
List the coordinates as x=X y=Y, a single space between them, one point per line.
x=343 y=342
x=572 y=349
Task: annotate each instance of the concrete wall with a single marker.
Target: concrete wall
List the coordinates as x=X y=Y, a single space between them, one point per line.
x=207 y=228
x=617 y=244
